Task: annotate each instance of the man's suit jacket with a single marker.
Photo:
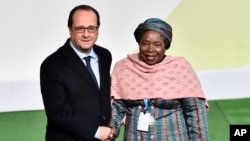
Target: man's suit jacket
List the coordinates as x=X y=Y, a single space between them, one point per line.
x=74 y=105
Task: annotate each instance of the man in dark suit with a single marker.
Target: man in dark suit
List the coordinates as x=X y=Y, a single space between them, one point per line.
x=77 y=104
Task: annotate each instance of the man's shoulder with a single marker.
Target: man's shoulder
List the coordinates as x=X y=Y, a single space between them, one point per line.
x=102 y=50
x=55 y=57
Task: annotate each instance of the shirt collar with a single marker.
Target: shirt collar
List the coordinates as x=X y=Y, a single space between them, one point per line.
x=82 y=55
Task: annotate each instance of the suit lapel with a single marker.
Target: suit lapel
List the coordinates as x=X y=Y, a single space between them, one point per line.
x=102 y=61
x=76 y=64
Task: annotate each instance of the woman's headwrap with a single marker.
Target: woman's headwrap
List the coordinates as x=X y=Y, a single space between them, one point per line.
x=158 y=25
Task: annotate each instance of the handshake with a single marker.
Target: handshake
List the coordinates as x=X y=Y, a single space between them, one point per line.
x=106 y=133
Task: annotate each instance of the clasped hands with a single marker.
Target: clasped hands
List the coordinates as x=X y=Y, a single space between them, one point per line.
x=106 y=133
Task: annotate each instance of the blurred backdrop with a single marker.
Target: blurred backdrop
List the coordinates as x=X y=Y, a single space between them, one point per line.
x=212 y=35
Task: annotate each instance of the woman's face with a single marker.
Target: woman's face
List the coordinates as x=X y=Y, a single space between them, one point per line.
x=152 y=47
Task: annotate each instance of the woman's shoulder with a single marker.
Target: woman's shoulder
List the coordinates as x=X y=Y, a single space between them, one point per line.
x=180 y=59
x=127 y=59
x=176 y=57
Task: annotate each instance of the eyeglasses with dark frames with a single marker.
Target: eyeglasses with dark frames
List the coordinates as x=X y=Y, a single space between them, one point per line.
x=81 y=29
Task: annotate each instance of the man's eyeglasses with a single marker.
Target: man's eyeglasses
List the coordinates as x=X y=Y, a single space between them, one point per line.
x=90 y=29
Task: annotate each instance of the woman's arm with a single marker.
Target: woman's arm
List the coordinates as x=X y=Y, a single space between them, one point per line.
x=119 y=110
x=195 y=114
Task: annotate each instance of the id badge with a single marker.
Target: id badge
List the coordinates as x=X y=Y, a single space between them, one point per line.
x=143 y=122
x=152 y=121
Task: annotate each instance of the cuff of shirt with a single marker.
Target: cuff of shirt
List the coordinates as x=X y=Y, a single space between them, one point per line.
x=96 y=133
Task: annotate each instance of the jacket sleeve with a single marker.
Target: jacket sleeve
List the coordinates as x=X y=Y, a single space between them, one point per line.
x=196 y=118
x=60 y=113
x=119 y=110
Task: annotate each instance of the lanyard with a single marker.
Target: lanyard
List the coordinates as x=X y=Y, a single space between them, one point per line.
x=146 y=105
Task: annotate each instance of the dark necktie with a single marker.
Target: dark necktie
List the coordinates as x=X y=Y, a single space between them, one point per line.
x=87 y=59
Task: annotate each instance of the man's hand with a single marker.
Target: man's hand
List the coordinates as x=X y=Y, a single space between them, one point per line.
x=103 y=133
x=112 y=135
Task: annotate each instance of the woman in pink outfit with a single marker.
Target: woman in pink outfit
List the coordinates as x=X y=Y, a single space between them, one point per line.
x=159 y=94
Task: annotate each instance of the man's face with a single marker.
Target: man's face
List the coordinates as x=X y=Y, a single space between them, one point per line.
x=82 y=38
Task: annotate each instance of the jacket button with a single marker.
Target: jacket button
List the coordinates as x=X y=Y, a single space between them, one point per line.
x=78 y=139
